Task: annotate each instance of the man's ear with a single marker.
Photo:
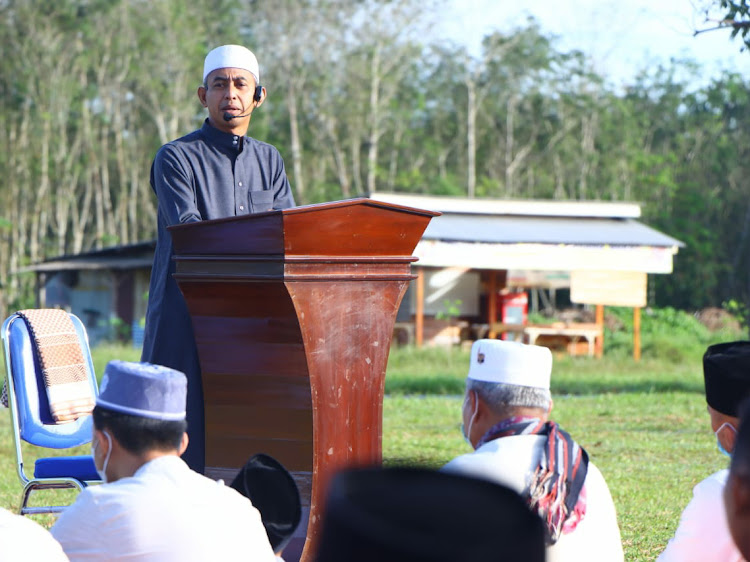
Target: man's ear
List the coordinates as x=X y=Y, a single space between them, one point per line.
x=731 y=437
x=259 y=102
x=202 y=95
x=183 y=443
x=481 y=408
x=102 y=443
x=551 y=405
x=97 y=437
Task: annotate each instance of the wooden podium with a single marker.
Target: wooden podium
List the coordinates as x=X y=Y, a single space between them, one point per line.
x=293 y=314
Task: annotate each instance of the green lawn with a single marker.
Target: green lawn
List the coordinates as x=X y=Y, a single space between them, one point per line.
x=644 y=425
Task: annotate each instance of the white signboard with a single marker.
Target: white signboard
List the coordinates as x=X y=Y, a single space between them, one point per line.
x=611 y=288
x=538 y=279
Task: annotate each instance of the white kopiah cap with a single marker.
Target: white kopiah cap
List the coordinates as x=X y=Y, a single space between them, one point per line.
x=510 y=363
x=231 y=56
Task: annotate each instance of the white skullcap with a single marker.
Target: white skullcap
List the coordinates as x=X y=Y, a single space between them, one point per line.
x=231 y=56
x=510 y=362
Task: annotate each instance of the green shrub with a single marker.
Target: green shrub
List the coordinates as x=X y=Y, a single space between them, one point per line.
x=667 y=334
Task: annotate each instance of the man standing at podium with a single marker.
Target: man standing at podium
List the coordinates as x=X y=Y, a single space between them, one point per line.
x=215 y=172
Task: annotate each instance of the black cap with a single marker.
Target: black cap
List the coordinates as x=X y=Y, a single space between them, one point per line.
x=420 y=515
x=274 y=493
x=726 y=372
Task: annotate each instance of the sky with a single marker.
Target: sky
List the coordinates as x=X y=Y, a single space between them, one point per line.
x=619 y=38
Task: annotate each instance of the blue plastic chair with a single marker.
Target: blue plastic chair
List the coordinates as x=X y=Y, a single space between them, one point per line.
x=32 y=422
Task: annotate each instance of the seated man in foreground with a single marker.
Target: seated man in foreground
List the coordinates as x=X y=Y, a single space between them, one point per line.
x=703 y=533
x=152 y=506
x=505 y=415
x=22 y=538
x=737 y=488
x=412 y=514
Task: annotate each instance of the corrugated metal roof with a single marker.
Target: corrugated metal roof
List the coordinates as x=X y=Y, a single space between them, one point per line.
x=504 y=229
x=107 y=262
x=131 y=256
x=532 y=207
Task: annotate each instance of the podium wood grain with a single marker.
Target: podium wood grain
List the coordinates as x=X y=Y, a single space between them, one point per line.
x=293 y=314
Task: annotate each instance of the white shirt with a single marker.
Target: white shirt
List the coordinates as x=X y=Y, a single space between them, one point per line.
x=511 y=461
x=165 y=512
x=23 y=539
x=703 y=532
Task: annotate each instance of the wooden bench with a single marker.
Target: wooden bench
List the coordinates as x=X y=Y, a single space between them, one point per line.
x=573 y=333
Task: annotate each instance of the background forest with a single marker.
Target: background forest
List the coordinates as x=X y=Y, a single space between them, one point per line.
x=363 y=97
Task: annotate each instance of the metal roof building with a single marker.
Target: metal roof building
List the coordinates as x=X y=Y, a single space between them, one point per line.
x=538 y=235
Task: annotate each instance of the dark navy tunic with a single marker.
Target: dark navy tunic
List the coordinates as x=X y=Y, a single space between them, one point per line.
x=207 y=174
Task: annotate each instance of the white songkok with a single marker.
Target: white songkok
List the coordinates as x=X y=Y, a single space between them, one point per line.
x=510 y=362
x=231 y=56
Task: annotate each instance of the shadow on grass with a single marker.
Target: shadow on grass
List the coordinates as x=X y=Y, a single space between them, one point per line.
x=450 y=385
x=438 y=385
x=580 y=388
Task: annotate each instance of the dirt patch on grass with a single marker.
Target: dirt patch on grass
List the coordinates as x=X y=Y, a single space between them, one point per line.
x=716 y=319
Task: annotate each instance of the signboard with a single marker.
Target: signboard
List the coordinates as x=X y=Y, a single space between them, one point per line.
x=610 y=288
x=456 y=287
x=538 y=279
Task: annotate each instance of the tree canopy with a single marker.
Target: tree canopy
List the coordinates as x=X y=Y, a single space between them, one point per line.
x=729 y=14
x=363 y=97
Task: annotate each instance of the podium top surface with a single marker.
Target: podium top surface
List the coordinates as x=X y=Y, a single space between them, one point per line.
x=354 y=227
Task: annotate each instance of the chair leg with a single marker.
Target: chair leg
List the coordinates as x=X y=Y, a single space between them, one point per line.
x=59 y=485
x=25 y=497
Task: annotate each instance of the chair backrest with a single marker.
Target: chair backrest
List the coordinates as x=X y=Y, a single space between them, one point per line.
x=35 y=423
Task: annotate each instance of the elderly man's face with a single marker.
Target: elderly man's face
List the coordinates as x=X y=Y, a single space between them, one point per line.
x=229 y=90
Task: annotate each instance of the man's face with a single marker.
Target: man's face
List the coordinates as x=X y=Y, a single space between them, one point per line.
x=229 y=90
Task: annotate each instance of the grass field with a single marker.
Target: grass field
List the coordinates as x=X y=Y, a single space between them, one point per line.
x=644 y=425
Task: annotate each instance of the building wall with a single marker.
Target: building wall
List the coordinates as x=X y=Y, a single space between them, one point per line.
x=111 y=304
x=443 y=288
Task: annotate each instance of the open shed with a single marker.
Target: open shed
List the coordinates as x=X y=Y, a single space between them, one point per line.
x=107 y=288
x=479 y=250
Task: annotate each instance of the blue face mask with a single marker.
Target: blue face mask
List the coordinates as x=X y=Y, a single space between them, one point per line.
x=722 y=450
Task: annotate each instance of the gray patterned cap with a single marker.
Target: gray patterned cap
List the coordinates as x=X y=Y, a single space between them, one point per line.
x=143 y=389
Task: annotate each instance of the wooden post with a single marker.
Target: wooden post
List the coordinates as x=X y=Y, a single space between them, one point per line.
x=419 y=319
x=492 y=303
x=600 y=323
x=637 y=333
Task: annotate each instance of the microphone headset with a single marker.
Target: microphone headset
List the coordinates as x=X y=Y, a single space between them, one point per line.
x=256 y=98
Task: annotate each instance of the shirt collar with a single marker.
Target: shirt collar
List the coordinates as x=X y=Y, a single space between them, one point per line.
x=165 y=462
x=220 y=138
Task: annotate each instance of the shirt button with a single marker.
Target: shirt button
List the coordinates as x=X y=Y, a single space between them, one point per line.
x=242 y=207
x=240 y=184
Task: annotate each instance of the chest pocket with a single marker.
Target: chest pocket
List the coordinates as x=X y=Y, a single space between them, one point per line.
x=261 y=201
